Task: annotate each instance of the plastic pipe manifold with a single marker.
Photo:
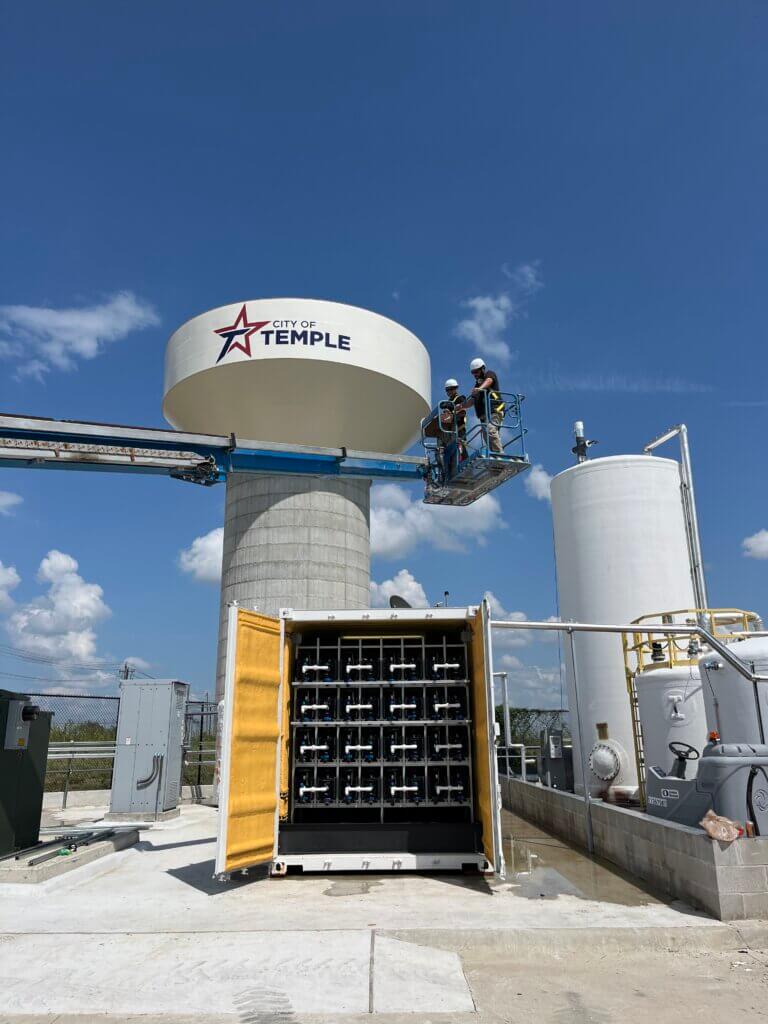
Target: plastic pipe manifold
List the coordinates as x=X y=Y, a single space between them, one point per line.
x=405 y=664
x=313 y=746
x=403 y=789
x=448 y=664
x=404 y=707
x=315 y=668
x=447 y=789
x=353 y=668
x=357 y=789
x=439 y=707
x=359 y=707
x=403 y=746
x=312 y=789
x=449 y=746
x=314 y=707
x=358 y=746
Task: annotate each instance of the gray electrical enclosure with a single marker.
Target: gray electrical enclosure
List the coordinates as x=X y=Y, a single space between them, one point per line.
x=150 y=747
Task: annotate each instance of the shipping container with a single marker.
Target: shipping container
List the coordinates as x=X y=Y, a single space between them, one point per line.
x=359 y=741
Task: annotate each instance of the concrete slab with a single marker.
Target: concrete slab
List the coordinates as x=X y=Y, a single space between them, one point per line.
x=122 y=974
x=147 y=933
x=416 y=979
x=23 y=872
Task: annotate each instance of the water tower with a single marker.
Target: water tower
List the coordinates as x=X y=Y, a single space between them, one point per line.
x=297 y=372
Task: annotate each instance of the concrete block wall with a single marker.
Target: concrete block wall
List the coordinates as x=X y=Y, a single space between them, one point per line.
x=728 y=880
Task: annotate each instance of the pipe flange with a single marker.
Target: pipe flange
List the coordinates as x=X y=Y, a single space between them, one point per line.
x=604 y=762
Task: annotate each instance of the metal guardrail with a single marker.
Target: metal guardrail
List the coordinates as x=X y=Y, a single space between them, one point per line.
x=82 y=749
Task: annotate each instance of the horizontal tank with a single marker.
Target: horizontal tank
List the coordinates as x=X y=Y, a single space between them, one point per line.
x=671 y=708
x=736 y=708
x=621 y=552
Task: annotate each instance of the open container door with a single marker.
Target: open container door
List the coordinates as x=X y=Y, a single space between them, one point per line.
x=249 y=766
x=486 y=767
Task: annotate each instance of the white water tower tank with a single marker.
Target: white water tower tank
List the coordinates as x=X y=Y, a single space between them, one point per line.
x=297 y=372
x=621 y=552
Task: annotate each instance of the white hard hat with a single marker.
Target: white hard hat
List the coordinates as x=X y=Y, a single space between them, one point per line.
x=451 y=383
x=477 y=364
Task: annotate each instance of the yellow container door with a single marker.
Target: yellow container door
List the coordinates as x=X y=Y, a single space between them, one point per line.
x=250 y=749
x=484 y=737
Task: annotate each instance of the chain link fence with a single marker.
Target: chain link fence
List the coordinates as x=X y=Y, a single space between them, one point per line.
x=525 y=728
x=526 y=724
x=200 y=743
x=87 y=723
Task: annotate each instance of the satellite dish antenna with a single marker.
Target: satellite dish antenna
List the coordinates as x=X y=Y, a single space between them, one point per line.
x=396 y=601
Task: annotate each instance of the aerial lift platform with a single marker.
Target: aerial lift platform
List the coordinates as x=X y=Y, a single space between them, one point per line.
x=207 y=459
x=463 y=464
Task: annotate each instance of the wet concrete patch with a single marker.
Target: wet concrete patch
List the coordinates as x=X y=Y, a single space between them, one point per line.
x=541 y=866
x=350 y=885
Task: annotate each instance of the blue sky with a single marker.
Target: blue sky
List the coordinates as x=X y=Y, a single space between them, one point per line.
x=585 y=182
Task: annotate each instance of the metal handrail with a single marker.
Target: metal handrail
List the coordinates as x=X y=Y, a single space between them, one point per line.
x=450 y=451
x=598 y=627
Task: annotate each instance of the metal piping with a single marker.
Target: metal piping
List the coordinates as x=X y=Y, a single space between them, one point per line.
x=689 y=506
x=507 y=724
x=596 y=627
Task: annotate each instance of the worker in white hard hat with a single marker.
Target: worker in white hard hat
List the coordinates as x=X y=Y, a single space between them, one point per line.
x=487 y=399
x=453 y=428
x=454 y=409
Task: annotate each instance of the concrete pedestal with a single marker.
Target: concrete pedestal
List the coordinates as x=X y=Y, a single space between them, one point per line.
x=294 y=542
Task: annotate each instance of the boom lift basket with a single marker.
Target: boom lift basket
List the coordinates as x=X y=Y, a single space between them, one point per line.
x=463 y=464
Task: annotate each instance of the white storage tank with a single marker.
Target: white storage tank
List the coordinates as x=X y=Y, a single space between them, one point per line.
x=621 y=552
x=671 y=707
x=737 y=708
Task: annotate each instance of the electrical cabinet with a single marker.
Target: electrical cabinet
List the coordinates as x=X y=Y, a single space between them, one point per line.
x=150 y=746
x=24 y=734
x=359 y=740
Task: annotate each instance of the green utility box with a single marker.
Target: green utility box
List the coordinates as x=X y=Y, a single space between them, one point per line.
x=24 y=733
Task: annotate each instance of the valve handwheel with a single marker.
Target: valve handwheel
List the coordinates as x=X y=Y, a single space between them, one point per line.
x=684 y=751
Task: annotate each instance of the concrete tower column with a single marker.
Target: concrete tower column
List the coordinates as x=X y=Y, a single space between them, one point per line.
x=295 y=542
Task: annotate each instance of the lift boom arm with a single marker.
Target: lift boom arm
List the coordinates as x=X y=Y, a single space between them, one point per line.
x=29 y=442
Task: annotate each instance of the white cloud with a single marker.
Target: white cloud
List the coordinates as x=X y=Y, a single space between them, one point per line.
x=400 y=523
x=60 y=624
x=506 y=638
x=202 y=559
x=8 y=502
x=404 y=585
x=490 y=315
x=756 y=546
x=9 y=580
x=484 y=328
x=508 y=661
x=534 y=686
x=134 y=662
x=537 y=481
x=39 y=339
x=526 y=277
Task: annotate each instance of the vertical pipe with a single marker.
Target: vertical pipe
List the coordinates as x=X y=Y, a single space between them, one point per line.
x=697 y=564
x=584 y=776
x=200 y=749
x=507 y=724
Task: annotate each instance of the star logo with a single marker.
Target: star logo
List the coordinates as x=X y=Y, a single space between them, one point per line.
x=239 y=334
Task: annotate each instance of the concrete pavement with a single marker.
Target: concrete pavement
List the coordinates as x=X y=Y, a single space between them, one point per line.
x=147 y=932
